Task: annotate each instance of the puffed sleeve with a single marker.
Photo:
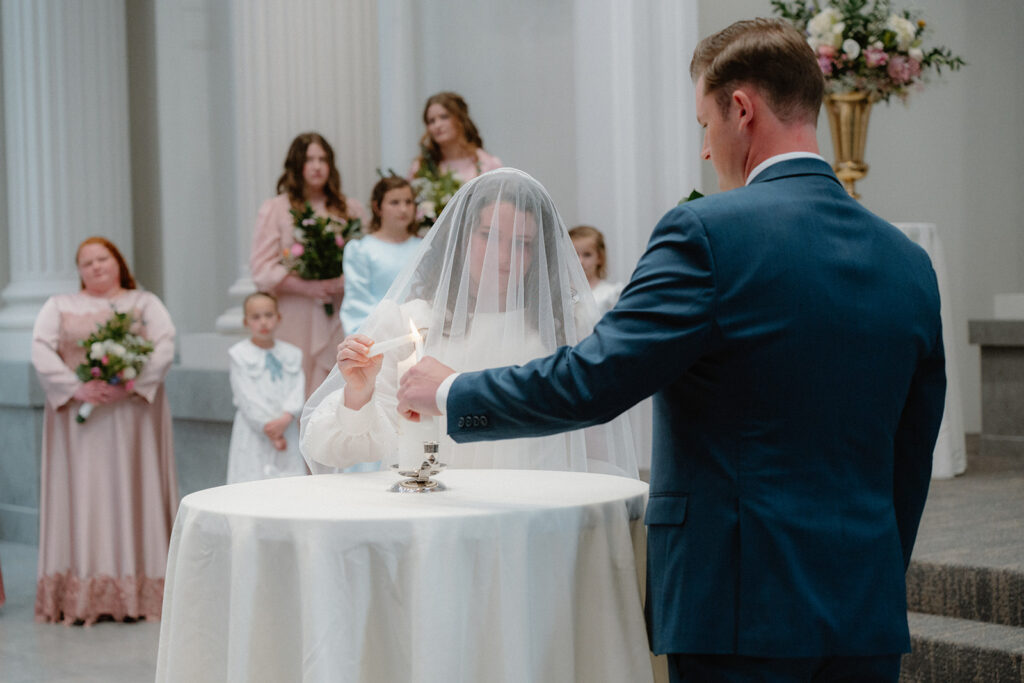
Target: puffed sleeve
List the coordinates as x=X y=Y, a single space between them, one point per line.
x=340 y=437
x=337 y=436
x=160 y=331
x=59 y=382
x=358 y=301
x=265 y=257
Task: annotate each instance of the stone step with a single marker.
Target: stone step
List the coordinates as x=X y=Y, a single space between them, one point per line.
x=948 y=650
x=993 y=595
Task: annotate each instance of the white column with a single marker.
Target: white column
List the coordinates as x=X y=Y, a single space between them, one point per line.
x=400 y=104
x=308 y=66
x=637 y=140
x=66 y=137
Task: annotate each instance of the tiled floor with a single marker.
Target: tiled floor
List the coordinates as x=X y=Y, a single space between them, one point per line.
x=52 y=653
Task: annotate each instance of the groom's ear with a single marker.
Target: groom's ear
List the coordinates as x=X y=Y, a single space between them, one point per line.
x=742 y=106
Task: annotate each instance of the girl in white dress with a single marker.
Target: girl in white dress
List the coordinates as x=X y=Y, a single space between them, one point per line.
x=589 y=244
x=268 y=387
x=495 y=282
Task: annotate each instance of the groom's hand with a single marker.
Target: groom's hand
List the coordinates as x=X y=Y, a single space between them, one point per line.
x=417 y=391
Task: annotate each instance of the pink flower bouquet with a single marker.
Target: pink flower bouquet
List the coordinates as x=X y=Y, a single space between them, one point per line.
x=867 y=46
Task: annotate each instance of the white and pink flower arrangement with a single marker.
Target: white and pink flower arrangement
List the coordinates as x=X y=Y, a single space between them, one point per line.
x=319 y=247
x=116 y=354
x=867 y=46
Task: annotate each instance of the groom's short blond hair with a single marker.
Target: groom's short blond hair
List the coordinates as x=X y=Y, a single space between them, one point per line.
x=769 y=54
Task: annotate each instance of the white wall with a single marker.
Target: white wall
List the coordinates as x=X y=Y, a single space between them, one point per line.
x=953 y=156
x=512 y=62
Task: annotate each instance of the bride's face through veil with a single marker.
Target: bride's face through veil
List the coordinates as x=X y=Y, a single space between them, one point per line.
x=500 y=243
x=501 y=251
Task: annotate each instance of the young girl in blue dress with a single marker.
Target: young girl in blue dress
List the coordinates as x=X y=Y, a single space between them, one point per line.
x=372 y=263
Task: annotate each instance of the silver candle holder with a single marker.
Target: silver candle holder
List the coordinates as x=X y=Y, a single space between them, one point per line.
x=419 y=480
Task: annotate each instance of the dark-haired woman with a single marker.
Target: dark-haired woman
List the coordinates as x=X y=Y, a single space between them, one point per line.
x=108 y=490
x=451 y=140
x=310 y=175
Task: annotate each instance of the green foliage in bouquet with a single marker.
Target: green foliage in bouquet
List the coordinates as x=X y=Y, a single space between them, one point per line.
x=319 y=246
x=433 y=189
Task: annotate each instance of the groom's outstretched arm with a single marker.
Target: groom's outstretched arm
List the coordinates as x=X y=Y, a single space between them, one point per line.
x=661 y=325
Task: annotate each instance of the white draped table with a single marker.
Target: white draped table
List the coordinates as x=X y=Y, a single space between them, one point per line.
x=950 y=456
x=508 y=576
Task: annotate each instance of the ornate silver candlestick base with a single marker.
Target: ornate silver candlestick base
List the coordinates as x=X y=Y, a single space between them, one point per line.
x=419 y=481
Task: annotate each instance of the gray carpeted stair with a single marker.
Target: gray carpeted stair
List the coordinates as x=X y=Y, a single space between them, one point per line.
x=985 y=594
x=953 y=650
x=965 y=585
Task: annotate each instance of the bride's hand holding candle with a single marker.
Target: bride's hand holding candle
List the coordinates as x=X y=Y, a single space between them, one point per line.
x=359 y=369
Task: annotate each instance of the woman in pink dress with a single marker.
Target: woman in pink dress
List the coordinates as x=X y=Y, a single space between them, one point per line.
x=451 y=141
x=109 y=490
x=309 y=176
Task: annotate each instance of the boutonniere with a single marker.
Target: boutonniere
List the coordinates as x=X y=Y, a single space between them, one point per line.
x=695 y=194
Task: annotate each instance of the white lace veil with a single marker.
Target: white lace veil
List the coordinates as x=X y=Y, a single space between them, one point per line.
x=495 y=282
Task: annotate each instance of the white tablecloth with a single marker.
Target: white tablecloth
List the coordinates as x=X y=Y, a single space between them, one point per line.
x=950 y=457
x=509 y=576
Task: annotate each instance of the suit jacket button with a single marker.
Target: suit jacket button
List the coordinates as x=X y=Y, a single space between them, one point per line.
x=483 y=421
x=462 y=422
x=476 y=420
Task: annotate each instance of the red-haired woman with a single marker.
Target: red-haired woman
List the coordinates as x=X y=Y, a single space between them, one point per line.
x=108 y=490
x=310 y=175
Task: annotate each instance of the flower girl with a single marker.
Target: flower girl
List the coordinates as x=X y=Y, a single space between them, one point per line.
x=269 y=388
x=589 y=244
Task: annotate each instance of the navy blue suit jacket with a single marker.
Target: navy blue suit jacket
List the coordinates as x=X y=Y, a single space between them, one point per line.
x=793 y=344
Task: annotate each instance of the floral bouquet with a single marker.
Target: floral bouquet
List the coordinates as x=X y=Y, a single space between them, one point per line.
x=866 y=48
x=116 y=355
x=433 y=190
x=319 y=246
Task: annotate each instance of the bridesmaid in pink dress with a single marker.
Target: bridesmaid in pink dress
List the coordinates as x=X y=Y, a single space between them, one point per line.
x=108 y=490
x=452 y=139
x=309 y=176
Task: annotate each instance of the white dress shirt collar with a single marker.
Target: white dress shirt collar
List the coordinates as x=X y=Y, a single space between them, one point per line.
x=781 y=157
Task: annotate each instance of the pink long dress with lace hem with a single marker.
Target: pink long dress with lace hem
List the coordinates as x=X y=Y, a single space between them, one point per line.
x=109 y=489
x=303 y=321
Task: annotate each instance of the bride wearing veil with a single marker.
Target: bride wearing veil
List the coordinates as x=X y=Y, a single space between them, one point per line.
x=495 y=282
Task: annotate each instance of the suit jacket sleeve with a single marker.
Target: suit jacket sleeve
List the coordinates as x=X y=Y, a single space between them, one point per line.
x=663 y=322
x=914 y=441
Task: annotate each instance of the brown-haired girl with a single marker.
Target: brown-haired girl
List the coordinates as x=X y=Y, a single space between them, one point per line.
x=372 y=263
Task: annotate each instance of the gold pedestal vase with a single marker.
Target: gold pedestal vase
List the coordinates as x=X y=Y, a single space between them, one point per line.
x=848 y=114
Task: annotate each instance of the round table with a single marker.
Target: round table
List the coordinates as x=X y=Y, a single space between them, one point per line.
x=507 y=576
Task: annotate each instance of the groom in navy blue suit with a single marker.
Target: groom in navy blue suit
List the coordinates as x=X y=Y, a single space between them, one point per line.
x=793 y=345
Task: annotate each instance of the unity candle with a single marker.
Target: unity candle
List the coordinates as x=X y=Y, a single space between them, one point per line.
x=411 y=435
